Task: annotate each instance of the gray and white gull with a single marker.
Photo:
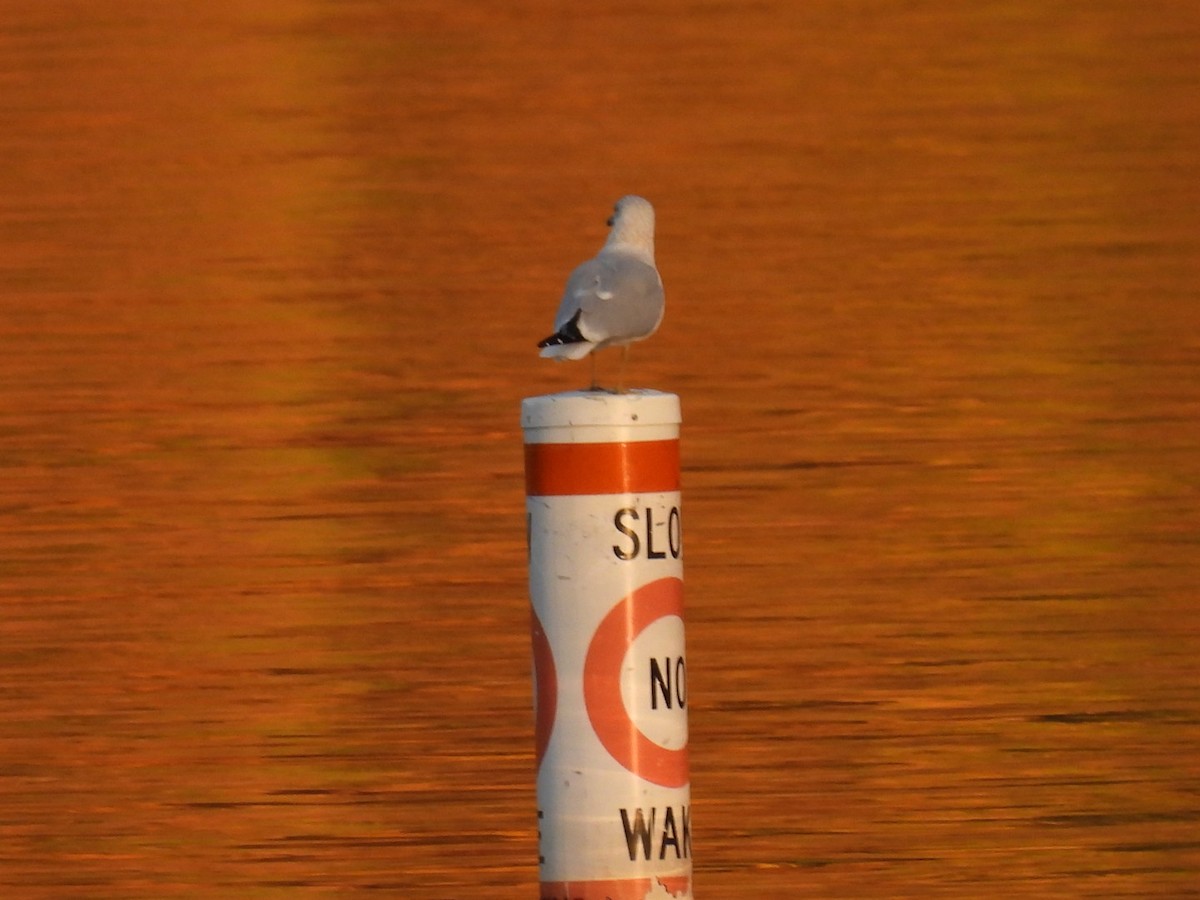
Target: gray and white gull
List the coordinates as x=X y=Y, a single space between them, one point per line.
x=616 y=297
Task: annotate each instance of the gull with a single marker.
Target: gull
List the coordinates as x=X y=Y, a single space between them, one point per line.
x=616 y=297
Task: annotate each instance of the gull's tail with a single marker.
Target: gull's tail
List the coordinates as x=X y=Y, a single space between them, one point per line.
x=566 y=343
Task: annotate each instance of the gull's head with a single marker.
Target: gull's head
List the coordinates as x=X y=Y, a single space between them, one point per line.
x=632 y=208
x=632 y=225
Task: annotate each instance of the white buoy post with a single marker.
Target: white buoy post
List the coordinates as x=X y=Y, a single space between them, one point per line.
x=605 y=579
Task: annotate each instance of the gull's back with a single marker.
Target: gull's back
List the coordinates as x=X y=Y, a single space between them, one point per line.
x=618 y=296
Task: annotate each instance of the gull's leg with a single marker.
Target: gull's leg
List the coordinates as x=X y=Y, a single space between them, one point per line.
x=621 y=370
x=593 y=356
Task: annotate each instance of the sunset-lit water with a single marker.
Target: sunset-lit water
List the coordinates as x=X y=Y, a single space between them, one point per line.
x=271 y=275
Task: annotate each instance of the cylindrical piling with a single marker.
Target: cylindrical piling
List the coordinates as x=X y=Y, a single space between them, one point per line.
x=605 y=574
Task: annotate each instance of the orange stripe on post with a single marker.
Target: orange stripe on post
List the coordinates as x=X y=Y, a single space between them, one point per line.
x=616 y=888
x=611 y=468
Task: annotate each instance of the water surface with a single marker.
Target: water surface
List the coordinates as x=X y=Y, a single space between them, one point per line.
x=271 y=278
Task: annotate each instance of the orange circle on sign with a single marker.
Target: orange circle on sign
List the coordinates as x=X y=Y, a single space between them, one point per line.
x=546 y=679
x=614 y=636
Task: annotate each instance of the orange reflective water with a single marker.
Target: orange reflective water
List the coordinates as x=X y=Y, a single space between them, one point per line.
x=271 y=275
